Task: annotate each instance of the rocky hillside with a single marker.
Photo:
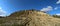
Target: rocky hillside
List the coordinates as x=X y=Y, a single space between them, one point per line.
x=29 y=18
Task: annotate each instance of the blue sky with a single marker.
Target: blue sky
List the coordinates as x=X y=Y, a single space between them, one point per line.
x=9 y=6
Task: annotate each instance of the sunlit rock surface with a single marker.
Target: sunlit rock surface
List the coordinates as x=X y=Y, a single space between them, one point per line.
x=29 y=18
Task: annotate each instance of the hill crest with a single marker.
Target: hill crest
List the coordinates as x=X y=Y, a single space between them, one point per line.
x=30 y=18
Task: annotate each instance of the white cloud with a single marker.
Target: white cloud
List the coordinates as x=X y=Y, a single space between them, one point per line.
x=2 y=12
x=58 y=14
x=49 y=8
x=55 y=8
x=58 y=2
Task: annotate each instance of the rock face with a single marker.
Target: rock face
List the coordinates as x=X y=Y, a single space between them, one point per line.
x=30 y=18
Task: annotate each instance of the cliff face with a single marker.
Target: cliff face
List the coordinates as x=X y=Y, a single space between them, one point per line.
x=30 y=18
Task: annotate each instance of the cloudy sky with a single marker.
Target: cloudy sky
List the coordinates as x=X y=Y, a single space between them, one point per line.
x=9 y=6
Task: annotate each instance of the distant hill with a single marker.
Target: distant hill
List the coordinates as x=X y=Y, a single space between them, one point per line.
x=30 y=18
x=1 y=17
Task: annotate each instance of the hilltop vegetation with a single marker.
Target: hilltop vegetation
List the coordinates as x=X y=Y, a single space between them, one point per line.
x=56 y=16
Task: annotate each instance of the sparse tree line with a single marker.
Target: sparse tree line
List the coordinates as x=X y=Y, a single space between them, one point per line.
x=56 y=16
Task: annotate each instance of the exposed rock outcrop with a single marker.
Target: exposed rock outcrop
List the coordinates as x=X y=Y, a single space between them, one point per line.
x=30 y=18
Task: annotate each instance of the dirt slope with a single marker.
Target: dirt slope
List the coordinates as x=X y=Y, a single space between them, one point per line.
x=30 y=18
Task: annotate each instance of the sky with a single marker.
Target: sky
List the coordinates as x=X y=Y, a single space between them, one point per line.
x=49 y=6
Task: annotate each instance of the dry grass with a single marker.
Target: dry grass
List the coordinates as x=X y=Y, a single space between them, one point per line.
x=29 y=18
